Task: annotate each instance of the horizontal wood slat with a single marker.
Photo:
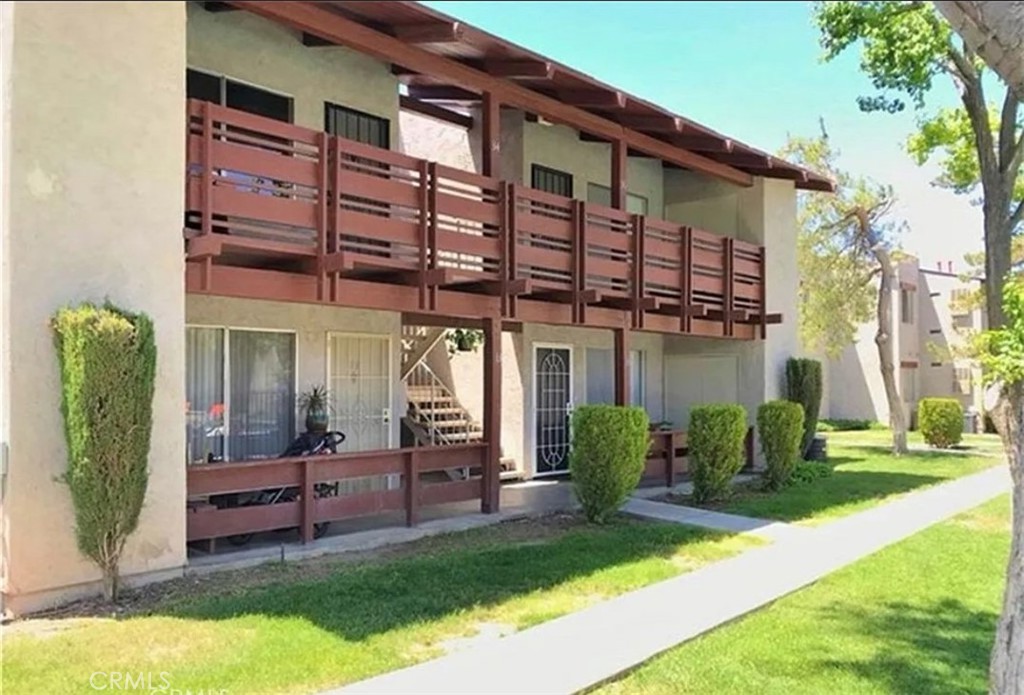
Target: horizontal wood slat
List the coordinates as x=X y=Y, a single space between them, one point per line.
x=260 y=191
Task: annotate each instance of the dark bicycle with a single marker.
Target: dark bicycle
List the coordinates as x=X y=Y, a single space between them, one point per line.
x=306 y=444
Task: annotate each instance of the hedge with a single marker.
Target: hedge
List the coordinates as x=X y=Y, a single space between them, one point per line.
x=804 y=385
x=716 y=442
x=108 y=365
x=941 y=421
x=780 y=425
x=609 y=450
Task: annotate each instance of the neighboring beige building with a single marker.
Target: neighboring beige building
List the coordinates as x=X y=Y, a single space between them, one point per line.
x=298 y=197
x=931 y=324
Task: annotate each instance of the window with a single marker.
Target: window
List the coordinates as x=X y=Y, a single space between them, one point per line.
x=237 y=95
x=907 y=306
x=551 y=180
x=962 y=380
x=356 y=125
x=637 y=374
x=240 y=391
x=908 y=385
x=602 y=195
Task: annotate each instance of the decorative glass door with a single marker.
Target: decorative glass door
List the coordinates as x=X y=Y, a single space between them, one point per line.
x=553 y=408
x=359 y=373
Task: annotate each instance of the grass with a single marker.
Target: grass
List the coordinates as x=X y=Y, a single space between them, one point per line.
x=917 y=617
x=301 y=630
x=864 y=474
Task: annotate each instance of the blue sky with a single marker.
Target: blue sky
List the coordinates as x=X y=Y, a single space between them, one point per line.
x=751 y=71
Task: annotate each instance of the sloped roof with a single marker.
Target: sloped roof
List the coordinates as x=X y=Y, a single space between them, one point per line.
x=447 y=36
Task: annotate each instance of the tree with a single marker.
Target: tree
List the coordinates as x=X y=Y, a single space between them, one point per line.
x=845 y=243
x=993 y=30
x=905 y=48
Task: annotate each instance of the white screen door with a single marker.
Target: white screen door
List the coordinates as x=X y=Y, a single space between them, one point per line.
x=359 y=375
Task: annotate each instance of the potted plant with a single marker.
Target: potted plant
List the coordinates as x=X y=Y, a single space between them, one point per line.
x=317 y=407
x=463 y=339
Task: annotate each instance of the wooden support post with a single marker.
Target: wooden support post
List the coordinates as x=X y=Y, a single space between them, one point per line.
x=425 y=170
x=490 y=125
x=621 y=366
x=638 y=223
x=412 y=488
x=748 y=446
x=206 y=189
x=322 y=181
x=333 y=224
x=728 y=288
x=620 y=160
x=763 y=294
x=504 y=271
x=511 y=248
x=308 y=502
x=490 y=499
x=670 y=460
x=579 y=252
x=685 y=279
x=432 y=230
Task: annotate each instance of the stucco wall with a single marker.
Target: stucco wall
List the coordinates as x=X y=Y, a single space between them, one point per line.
x=95 y=215
x=438 y=141
x=311 y=323
x=559 y=147
x=249 y=48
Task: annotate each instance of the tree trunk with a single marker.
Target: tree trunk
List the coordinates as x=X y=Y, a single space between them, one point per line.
x=111 y=584
x=998 y=258
x=994 y=29
x=1006 y=669
x=883 y=339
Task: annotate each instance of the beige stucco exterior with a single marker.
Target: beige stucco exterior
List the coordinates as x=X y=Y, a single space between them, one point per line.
x=927 y=343
x=92 y=211
x=251 y=49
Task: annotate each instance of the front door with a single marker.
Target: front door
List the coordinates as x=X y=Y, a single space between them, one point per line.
x=359 y=369
x=553 y=407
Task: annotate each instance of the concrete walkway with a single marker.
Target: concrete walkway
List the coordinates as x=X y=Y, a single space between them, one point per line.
x=576 y=651
x=763 y=528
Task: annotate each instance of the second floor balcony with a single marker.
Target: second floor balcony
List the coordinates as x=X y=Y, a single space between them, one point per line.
x=268 y=195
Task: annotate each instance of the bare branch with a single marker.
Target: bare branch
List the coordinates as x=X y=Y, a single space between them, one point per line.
x=1008 y=145
x=1017 y=215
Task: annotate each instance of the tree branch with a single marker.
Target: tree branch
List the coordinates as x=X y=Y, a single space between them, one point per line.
x=1009 y=147
x=973 y=98
x=1016 y=216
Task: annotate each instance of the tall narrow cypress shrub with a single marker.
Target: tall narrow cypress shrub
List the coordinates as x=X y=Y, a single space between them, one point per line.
x=108 y=367
x=804 y=386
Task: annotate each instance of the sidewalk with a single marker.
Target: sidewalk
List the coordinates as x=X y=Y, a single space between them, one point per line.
x=579 y=650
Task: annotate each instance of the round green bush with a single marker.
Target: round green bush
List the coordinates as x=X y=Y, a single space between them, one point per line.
x=609 y=449
x=716 y=441
x=941 y=421
x=781 y=426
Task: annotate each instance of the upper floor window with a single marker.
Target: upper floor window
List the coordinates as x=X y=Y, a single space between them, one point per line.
x=356 y=125
x=224 y=91
x=907 y=306
x=551 y=180
x=602 y=195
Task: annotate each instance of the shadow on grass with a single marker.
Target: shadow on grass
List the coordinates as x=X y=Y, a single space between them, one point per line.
x=938 y=648
x=357 y=603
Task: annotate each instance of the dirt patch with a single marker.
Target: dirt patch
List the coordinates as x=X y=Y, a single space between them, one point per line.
x=147 y=599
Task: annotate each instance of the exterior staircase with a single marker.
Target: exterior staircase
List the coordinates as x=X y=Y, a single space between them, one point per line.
x=435 y=417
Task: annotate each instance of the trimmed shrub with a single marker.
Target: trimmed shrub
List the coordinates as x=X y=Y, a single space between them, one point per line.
x=716 y=439
x=108 y=366
x=808 y=471
x=804 y=386
x=609 y=449
x=840 y=425
x=781 y=426
x=941 y=421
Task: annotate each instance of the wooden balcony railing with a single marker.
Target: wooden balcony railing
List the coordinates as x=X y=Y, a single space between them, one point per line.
x=261 y=193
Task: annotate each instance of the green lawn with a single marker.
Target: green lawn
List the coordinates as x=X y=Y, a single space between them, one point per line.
x=917 y=617
x=864 y=474
x=304 y=630
x=974 y=443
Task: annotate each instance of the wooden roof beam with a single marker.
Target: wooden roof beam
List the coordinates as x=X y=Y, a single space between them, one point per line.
x=540 y=69
x=661 y=124
x=434 y=111
x=592 y=98
x=314 y=41
x=704 y=143
x=748 y=159
x=432 y=32
x=317 y=19
x=431 y=92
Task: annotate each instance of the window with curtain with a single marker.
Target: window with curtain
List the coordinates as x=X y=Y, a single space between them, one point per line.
x=356 y=125
x=240 y=387
x=551 y=180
